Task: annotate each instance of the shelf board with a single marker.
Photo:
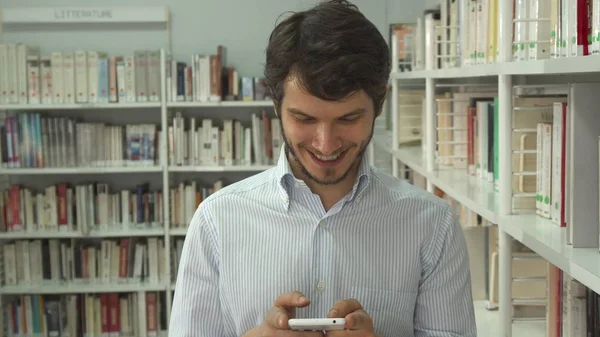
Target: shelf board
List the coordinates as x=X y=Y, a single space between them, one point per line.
x=220 y=168
x=177 y=231
x=475 y=193
x=549 y=241
x=80 y=170
x=240 y=104
x=78 y=288
x=82 y=106
x=558 y=66
x=108 y=233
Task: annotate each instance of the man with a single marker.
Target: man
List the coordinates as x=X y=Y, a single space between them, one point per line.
x=322 y=234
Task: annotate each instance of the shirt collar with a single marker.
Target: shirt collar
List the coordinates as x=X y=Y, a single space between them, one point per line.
x=285 y=177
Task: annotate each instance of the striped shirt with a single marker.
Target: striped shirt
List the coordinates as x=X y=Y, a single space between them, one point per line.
x=395 y=248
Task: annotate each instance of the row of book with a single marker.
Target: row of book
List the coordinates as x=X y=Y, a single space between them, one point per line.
x=467 y=138
x=84 y=208
x=466 y=32
x=29 y=140
x=207 y=78
x=119 y=261
x=80 y=76
x=202 y=142
x=92 y=315
x=573 y=309
x=549 y=148
x=93 y=76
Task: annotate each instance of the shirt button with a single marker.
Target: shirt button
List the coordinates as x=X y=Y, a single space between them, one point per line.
x=322 y=223
x=321 y=286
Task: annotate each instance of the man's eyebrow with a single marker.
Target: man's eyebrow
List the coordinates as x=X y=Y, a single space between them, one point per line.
x=358 y=111
x=297 y=112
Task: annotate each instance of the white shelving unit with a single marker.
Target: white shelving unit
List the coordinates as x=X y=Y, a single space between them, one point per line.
x=161 y=176
x=543 y=237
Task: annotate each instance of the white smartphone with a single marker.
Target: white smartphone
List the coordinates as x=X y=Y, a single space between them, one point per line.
x=317 y=324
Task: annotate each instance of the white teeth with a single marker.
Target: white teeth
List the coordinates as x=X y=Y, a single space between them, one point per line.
x=327 y=158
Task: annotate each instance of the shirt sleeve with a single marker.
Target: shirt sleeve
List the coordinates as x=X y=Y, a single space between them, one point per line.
x=444 y=306
x=196 y=308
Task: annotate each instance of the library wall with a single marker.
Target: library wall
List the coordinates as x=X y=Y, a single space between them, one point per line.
x=197 y=27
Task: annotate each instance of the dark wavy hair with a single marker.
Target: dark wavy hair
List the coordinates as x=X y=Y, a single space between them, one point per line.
x=333 y=50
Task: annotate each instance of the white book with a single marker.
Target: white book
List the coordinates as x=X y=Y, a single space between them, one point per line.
x=10 y=264
x=557 y=180
x=12 y=74
x=130 y=79
x=566 y=30
x=58 y=90
x=81 y=76
x=153 y=75
x=103 y=80
x=473 y=34
x=554 y=35
x=69 y=77
x=92 y=77
x=121 y=86
x=4 y=69
x=215 y=146
x=248 y=146
x=228 y=146
x=33 y=80
x=141 y=75
x=46 y=80
x=546 y=179
x=23 y=53
x=153 y=260
x=483 y=25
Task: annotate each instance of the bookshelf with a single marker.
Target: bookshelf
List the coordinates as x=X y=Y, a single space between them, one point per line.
x=526 y=83
x=108 y=231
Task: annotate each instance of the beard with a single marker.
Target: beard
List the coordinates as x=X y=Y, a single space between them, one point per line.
x=329 y=179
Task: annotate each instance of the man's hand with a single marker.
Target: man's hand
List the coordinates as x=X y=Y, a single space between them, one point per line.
x=276 y=321
x=358 y=322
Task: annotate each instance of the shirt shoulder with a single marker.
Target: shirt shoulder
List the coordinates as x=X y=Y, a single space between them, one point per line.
x=259 y=187
x=400 y=191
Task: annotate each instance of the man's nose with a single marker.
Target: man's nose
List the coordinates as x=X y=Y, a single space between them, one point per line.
x=326 y=139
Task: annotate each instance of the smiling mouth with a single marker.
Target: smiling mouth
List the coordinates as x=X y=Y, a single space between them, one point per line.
x=328 y=161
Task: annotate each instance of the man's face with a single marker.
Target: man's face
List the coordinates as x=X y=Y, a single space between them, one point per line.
x=325 y=140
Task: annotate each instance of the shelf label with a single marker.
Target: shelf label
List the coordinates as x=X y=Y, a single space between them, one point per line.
x=30 y=15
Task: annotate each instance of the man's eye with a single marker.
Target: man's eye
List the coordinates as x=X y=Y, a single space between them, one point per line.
x=349 y=119
x=306 y=119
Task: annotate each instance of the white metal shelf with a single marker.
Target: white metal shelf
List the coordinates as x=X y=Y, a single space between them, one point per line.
x=79 y=288
x=239 y=104
x=475 y=193
x=81 y=106
x=220 y=168
x=80 y=170
x=99 y=233
x=178 y=231
x=558 y=66
x=549 y=241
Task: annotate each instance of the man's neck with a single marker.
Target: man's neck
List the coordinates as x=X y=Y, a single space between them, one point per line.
x=329 y=194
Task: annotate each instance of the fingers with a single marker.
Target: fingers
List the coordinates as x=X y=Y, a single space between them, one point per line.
x=294 y=299
x=343 y=308
x=277 y=318
x=359 y=320
x=284 y=309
